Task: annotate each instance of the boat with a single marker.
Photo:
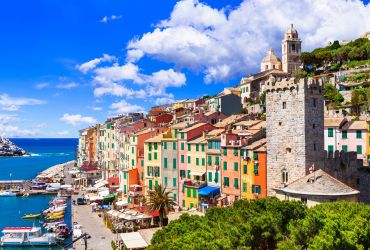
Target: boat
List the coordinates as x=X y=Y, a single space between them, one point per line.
x=109 y=198
x=62 y=231
x=26 y=236
x=38 y=185
x=54 y=209
x=31 y=216
x=7 y=194
x=54 y=217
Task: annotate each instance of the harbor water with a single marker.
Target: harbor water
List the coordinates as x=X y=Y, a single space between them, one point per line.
x=44 y=154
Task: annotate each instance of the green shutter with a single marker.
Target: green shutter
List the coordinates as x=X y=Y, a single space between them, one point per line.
x=344 y=134
x=189 y=159
x=156 y=183
x=330 y=148
x=235 y=166
x=235 y=152
x=359 y=149
x=188 y=192
x=142 y=163
x=182 y=136
x=189 y=147
x=155 y=146
x=255 y=156
x=255 y=171
x=182 y=146
x=155 y=155
x=197 y=147
x=225 y=165
x=188 y=174
x=344 y=148
x=165 y=145
x=174 y=182
x=203 y=162
x=209 y=160
x=203 y=147
x=225 y=151
x=245 y=187
x=358 y=134
x=194 y=193
x=150 y=184
x=165 y=181
x=124 y=175
x=133 y=163
x=330 y=132
x=245 y=169
x=124 y=189
x=217 y=161
x=216 y=177
x=165 y=162
x=182 y=159
x=150 y=156
x=174 y=197
x=197 y=161
x=174 y=145
x=210 y=176
x=132 y=150
x=174 y=163
x=236 y=183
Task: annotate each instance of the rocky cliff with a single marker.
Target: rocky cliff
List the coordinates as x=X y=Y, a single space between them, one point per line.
x=8 y=148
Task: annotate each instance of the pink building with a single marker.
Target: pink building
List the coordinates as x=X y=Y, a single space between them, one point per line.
x=184 y=136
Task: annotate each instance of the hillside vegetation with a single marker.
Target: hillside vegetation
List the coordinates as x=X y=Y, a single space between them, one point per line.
x=270 y=224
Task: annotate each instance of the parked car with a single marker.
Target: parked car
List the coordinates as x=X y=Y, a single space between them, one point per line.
x=81 y=201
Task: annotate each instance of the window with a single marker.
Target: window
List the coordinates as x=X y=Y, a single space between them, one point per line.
x=197 y=147
x=155 y=146
x=359 y=149
x=174 y=163
x=132 y=150
x=174 y=182
x=217 y=161
x=165 y=145
x=182 y=146
x=182 y=159
x=165 y=162
x=255 y=169
x=182 y=135
x=155 y=155
x=150 y=184
x=313 y=126
x=203 y=147
x=182 y=173
x=314 y=102
x=197 y=161
x=188 y=192
x=225 y=165
x=174 y=145
x=358 y=134
x=244 y=187
x=284 y=176
x=226 y=181
x=156 y=172
x=255 y=156
x=330 y=132
x=188 y=174
x=225 y=151
x=344 y=134
x=256 y=189
x=194 y=193
x=156 y=183
x=235 y=151
x=216 y=177
x=209 y=160
x=235 y=166
x=133 y=139
x=174 y=197
x=245 y=169
x=165 y=181
x=142 y=163
x=284 y=105
x=142 y=176
x=189 y=147
x=150 y=171
x=210 y=176
x=344 y=148
x=189 y=159
x=149 y=156
x=203 y=161
x=133 y=163
x=330 y=148
x=236 y=183
x=124 y=175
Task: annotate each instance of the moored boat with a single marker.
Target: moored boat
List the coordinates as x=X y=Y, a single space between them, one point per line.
x=31 y=216
x=26 y=236
x=7 y=194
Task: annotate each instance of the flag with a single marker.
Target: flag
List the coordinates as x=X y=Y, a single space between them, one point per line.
x=312 y=169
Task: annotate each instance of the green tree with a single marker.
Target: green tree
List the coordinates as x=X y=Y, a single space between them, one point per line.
x=160 y=200
x=299 y=74
x=331 y=93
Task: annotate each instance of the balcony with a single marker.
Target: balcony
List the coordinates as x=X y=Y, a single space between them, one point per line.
x=194 y=183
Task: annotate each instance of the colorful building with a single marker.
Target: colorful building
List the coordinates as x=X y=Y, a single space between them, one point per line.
x=152 y=163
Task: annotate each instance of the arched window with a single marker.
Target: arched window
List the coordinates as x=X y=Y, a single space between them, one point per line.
x=284 y=176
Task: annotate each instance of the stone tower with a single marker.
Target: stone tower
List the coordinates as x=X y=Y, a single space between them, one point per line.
x=295 y=130
x=291 y=50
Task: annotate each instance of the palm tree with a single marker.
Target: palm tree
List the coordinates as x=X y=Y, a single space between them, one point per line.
x=160 y=200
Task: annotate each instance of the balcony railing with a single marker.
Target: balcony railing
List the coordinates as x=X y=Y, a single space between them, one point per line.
x=195 y=183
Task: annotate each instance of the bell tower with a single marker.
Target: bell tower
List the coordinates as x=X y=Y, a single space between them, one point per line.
x=291 y=50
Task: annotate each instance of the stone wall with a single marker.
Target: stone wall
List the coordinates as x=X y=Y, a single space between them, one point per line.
x=295 y=125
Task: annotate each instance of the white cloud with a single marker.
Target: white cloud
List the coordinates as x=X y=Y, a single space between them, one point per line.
x=63 y=133
x=8 y=127
x=118 y=90
x=224 y=44
x=77 y=119
x=116 y=72
x=70 y=85
x=9 y=103
x=97 y=108
x=87 y=66
x=106 y=19
x=164 y=100
x=42 y=85
x=124 y=107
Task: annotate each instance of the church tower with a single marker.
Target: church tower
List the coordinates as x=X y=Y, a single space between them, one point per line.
x=291 y=50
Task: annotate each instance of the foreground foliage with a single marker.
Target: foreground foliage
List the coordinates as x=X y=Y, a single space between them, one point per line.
x=270 y=224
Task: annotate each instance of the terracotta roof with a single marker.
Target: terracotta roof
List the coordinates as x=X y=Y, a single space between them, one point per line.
x=256 y=144
x=334 y=121
x=197 y=125
x=144 y=131
x=215 y=132
x=319 y=183
x=247 y=123
x=157 y=138
x=258 y=126
x=180 y=125
x=355 y=125
x=230 y=120
x=198 y=140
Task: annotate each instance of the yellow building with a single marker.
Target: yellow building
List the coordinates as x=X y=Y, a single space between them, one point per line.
x=107 y=150
x=152 y=163
x=191 y=196
x=177 y=105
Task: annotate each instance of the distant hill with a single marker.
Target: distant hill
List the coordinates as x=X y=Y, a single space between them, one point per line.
x=8 y=148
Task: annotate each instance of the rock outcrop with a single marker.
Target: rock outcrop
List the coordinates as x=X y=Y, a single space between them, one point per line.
x=8 y=148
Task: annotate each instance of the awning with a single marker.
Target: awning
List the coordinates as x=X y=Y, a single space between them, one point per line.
x=133 y=240
x=122 y=203
x=208 y=190
x=101 y=184
x=197 y=173
x=104 y=193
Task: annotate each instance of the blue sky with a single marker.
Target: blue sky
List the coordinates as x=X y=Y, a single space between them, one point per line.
x=68 y=64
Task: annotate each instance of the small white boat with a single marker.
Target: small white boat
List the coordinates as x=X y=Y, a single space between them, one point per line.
x=7 y=194
x=26 y=236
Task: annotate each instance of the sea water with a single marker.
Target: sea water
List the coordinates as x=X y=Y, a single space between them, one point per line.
x=44 y=154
